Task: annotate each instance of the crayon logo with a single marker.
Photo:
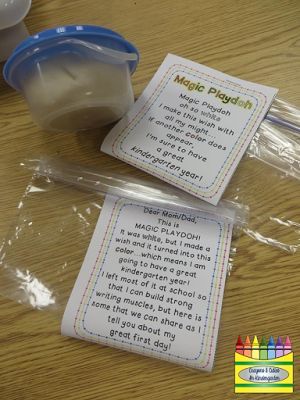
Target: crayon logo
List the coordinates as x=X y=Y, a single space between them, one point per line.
x=265 y=367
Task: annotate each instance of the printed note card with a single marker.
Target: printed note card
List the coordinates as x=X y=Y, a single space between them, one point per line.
x=191 y=126
x=152 y=282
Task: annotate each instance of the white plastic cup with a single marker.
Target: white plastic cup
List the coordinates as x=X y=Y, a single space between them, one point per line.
x=12 y=27
x=72 y=83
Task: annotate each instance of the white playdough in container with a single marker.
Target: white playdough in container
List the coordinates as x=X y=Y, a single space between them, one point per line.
x=66 y=93
x=74 y=77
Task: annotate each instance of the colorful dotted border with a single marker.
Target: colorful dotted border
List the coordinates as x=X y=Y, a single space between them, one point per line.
x=168 y=176
x=80 y=328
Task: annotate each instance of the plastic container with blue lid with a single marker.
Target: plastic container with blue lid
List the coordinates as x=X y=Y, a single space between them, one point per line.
x=74 y=77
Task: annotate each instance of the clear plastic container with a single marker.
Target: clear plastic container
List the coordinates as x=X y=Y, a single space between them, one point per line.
x=75 y=77
x=12 y=27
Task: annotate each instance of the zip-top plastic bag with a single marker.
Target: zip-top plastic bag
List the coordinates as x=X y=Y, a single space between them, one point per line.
x=53 y=257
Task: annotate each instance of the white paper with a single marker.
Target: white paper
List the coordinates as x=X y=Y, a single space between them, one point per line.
x=152 y=282
x=191 y=126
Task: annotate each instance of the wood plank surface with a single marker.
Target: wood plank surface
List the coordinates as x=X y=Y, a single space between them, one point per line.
x=254 y=40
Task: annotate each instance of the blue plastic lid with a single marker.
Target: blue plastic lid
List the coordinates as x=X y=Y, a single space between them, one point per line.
x=93 y=34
